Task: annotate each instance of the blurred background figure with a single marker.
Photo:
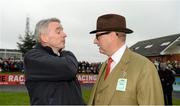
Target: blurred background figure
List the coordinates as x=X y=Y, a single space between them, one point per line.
x=167 y=77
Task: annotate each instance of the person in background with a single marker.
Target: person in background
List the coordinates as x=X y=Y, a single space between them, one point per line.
x=167 y=79
x=50 y=71
x=126 y=78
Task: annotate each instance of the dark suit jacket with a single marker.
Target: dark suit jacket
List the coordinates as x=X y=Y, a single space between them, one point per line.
x=143 y=83
x=51 y=79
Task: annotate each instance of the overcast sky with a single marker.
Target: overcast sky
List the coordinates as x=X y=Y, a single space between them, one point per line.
x=147 y=18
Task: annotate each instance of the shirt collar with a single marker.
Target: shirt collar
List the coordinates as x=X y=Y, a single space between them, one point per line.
x=118 y=54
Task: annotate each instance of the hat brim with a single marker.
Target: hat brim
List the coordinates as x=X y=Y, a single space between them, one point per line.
x=127 y=30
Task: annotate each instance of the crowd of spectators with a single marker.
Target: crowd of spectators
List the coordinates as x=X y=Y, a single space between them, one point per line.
x=174 y=66
x=11 y=65
x=93 y=68
x=88 y=68
x=16 y=65
x=167 y=72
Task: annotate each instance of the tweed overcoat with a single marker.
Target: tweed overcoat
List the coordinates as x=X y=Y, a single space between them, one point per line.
x=143 y=84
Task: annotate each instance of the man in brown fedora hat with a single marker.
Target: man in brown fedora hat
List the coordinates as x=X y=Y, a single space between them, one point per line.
x=126 y=78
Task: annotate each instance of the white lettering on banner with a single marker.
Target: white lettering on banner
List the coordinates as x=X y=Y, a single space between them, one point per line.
x=3 y=83
x=87 y=78
x=16 y=78
x=10 y=78
x=21 y=78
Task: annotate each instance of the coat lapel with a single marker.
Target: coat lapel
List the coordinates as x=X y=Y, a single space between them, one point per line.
x=111 y=82
x=100 y=76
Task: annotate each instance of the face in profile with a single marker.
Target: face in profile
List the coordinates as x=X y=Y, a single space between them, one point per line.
x=56 y=36
x=103 y=41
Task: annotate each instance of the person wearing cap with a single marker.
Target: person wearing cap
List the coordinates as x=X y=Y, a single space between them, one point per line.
x=126 y=78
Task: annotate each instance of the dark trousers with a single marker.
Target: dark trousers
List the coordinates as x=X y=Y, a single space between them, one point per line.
x=168 y=97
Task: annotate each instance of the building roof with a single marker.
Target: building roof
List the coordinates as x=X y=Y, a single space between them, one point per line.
x=9 y=50
x=158 y=46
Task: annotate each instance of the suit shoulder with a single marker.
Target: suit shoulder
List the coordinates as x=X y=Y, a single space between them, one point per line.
x=30 y=52
x=137 y=57
x=67 y=53
x=33 y=53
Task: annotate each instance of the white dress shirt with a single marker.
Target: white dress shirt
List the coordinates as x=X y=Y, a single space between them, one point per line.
x=117 y=56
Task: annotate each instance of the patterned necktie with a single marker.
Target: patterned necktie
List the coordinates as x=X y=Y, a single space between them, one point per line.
x=108 y=67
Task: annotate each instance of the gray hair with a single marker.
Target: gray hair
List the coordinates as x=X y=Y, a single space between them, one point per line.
x=122 y=35
x=42 y=27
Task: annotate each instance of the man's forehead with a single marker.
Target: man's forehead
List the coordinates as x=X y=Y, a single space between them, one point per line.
x=57 y=25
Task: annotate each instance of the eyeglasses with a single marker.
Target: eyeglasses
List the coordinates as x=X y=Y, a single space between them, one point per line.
x=104 y=33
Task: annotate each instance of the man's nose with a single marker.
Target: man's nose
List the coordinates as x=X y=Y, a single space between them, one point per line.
x=64 y=34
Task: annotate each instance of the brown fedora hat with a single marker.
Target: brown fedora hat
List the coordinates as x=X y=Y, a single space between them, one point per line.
x=111 y=22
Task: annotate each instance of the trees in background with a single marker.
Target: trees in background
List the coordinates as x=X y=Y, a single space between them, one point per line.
x=26 y=43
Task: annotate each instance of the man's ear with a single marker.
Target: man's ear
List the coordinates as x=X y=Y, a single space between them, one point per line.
x=44 y=38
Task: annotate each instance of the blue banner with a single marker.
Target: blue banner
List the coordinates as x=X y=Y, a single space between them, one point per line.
x=176 y=85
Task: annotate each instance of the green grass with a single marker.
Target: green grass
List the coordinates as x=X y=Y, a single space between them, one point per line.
x=14 y=98
x=22 y=98
x=176 y=101
x=86 y=93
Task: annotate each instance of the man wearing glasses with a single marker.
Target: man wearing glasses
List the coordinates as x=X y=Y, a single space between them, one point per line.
x=126 y=78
